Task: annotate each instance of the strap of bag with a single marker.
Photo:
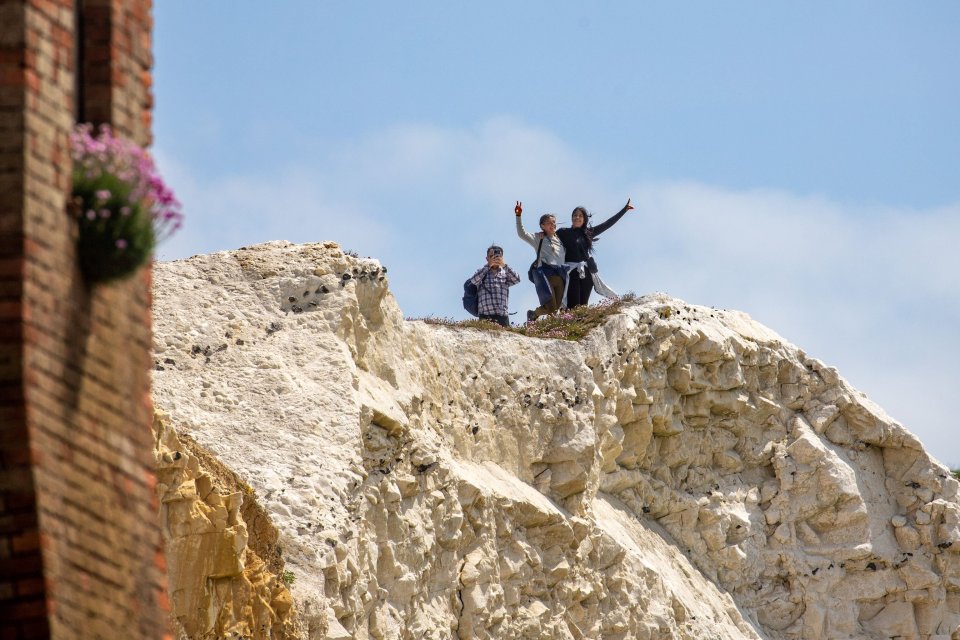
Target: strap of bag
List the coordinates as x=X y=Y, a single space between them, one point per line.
x=540 y=246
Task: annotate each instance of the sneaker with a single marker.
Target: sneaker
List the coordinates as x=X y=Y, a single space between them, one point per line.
x=531 y=316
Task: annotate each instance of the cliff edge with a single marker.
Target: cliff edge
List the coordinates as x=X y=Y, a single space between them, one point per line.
x=682 y=472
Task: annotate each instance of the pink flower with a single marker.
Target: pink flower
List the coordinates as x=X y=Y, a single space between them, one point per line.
x=100 y=154
x=121 y=244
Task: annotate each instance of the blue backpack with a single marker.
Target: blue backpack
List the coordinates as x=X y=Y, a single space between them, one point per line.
x=471 y=297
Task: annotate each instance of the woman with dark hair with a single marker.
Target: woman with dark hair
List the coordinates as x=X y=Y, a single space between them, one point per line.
x=578 y=242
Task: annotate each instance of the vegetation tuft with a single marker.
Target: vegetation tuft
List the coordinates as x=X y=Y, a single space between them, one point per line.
x=567 y=324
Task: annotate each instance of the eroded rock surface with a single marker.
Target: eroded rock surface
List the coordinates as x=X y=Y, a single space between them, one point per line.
x=683 y=472
x=222 y=583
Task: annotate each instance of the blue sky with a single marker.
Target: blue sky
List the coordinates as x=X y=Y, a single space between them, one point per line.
x=796 y=161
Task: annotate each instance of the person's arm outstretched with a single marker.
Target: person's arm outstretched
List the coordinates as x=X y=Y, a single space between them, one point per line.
x=529 y=238
x=612 y=220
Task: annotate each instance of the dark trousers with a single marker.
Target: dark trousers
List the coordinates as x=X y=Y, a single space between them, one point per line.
x=556 y=297
x=579 y=289
x=503 y=321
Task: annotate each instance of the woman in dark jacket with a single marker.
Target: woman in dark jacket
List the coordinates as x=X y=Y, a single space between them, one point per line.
x=578 y=242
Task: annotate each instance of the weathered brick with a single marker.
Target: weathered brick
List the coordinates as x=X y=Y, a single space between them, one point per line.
x=26 y=610
x=17 y=502
x=15 y=457
x=35 y=630
x=11 y=267
x=74 y=362
x=16 y=566
x=10 y=309
x=26 y=541
x=16 y=479
x=29 y=587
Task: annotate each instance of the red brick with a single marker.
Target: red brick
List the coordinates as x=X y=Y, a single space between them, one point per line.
x=16 y=455
x=17 y=566
x=13 y=55
x=11 y=267
x=160 y=560
x=16 y=479
x=27 y=541
x=12 y=75
x=77 y=394
x=162 y=600
x=26 y=610
x=11 y=330
x=30 y=587
x=9 y=309
x=20 y=501
x=10 y=394
x=35 y=630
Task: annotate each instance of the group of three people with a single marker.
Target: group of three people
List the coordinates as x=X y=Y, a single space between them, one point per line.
x=564 y=273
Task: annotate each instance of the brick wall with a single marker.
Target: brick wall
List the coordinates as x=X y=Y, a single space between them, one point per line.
x=116 y=60
x=80 y=547
x=22 y=592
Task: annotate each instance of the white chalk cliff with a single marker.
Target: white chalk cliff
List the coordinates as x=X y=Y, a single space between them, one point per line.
x=682 y=472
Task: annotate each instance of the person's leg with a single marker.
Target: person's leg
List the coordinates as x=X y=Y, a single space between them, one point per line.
x=556 y=284
x=542 y=310
x=503 y=321
x=573 y=289
x=586 y=288
x=542 y=286
x=579 y=289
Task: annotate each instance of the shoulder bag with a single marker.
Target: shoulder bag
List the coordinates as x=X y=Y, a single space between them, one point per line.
x=533 y=266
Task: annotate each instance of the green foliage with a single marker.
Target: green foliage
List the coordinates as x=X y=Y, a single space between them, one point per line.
x=567 y=324
x=122 y=206
x=116 y=236
x=288 y=578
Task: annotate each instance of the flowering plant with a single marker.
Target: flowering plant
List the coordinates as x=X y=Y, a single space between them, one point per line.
x=122 y=206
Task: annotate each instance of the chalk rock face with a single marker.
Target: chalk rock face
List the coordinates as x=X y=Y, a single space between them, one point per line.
x=220 y=584
x=682 y=472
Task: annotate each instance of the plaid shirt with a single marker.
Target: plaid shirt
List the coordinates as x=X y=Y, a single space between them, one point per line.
x=494 y=289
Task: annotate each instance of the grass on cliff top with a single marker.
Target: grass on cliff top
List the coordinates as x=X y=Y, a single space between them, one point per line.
x=566 y=324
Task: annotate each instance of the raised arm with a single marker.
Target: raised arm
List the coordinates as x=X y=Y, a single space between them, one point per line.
x=529 y=238
x=612 y=220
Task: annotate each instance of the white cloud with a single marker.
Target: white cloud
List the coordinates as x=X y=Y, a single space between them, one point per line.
x=226 y=212
x=867 y=290
x=871 y=290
